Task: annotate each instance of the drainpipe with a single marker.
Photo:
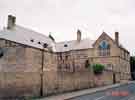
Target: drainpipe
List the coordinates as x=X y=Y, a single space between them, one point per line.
x=91 y=70
x=113 y=75
x=41 y=74
x=120 y=69
x=73 y=64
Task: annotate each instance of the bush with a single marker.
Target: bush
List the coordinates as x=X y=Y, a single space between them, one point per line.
x=98 y=68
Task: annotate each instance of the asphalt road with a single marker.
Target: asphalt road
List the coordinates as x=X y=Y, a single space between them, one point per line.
x=124 y=92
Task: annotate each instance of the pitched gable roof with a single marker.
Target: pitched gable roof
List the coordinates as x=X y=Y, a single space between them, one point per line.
x=25 y=36
x=104 y=34
x=120 y=45
x=73 y=45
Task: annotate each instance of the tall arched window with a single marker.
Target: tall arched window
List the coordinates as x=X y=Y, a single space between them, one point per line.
x=104 y=48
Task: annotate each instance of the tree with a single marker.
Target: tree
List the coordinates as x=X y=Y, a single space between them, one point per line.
x=132 y=65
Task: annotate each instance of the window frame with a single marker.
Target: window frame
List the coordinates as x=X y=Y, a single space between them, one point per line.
x=104 y=51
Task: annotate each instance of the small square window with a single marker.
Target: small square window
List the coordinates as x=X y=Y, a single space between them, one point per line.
x=65 y=45
x=45 y=45
x=66 y=57
x=39 y=42
x=32 y=40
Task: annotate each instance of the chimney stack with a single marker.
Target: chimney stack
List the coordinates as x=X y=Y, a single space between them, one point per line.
x=117 y=38
x=51 y=37
x=78 y=35
x=11 y=21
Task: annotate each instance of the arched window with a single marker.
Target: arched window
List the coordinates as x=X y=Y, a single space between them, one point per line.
x=104 y=48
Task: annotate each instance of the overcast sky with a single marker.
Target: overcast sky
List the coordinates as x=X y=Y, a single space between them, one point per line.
x=63 y=17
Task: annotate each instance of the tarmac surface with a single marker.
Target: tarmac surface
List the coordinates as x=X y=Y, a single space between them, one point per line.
x=123 y=92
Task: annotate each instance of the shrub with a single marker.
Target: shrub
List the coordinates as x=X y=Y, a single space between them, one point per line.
x=98 y=68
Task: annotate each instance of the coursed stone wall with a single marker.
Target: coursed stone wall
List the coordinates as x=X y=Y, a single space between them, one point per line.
x=27 y=71
x=19 y=71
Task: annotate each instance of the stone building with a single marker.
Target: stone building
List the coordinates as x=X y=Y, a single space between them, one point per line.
x=24 y=57
x=32 y=64
x=73 y=55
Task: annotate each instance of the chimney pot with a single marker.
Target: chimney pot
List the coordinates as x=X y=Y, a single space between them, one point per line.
x=117 y=38
x=78 y=35
x=11 y=21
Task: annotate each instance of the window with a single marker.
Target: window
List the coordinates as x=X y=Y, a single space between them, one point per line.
x=8 y=43
x=45 y=45
x=66 y=57
x=1 y=53
x=59 y=67
x=65 y=45
x=104 y=49
x=60 y=56
x=32 y=40
x=39 y=42
x=124 y=55
x=87 y=64
x=67 y=67
x=109 y=67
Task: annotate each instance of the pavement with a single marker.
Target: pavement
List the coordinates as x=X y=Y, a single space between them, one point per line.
x=122 y=91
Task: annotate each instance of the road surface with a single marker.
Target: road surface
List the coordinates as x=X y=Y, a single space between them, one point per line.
x=124 y=92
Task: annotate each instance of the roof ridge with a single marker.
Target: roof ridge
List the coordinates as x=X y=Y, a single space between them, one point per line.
x=74 y=40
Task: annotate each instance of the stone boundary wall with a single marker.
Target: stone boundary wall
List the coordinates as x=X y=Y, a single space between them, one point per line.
x=59 y=82
x=26 y=84
x=19 y=84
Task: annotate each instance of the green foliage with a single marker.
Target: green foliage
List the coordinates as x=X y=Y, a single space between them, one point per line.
x=132 y=61
x=132 y=65
x=98 y=68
